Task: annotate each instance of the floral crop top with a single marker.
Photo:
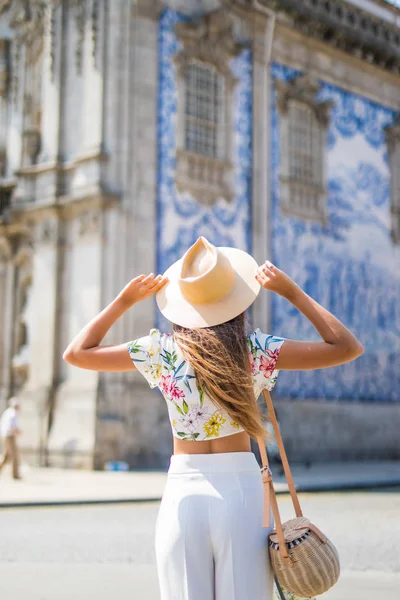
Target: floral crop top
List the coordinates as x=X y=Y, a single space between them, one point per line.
x=192 y=414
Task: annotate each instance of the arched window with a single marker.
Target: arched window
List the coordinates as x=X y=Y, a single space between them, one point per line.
x=303 y=127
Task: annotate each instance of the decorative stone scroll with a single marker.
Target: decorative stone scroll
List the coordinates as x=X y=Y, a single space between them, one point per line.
x=210 y=42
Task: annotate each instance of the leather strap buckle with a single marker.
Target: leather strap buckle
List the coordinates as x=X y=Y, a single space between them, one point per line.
x=266 y=469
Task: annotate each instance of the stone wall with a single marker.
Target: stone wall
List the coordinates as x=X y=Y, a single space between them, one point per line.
x=350 y=265
x=96 y=204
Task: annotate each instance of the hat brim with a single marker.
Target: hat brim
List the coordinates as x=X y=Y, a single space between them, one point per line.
x=245 y=290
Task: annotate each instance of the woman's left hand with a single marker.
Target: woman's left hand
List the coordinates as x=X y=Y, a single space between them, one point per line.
x=141 y=287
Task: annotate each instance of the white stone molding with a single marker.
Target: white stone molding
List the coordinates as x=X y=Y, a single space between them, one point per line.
x=303 y=128
x=209 y=41
x=393 y=144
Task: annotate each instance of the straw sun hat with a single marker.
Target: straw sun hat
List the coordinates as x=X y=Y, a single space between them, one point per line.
x=209 y=285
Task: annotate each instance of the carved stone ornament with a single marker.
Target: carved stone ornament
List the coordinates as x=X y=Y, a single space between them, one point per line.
x=28 y=20
x=89 y=222
x=211 y=41
x=46 y=231
x=304 y=89
x=393 y=144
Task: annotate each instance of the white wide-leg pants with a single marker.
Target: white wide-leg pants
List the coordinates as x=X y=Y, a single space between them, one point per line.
x=210 y=542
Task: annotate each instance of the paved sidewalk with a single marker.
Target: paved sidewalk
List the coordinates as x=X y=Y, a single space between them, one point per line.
x=58 y=486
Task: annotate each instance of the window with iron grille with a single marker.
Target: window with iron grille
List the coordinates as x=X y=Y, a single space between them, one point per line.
x=203 y=109
x=306 y=149
x=205 y=99
x=303 y=130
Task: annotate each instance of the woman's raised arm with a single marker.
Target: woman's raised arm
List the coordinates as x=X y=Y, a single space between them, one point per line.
x=339 y=345
x=85 y=351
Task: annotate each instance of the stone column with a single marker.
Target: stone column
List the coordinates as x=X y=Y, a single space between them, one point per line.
x=262 y=32
x=72 y=432
x=6 y=317
x=132 y=421
x=40 y=317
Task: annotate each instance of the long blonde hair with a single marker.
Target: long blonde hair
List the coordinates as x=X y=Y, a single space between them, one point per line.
x=220 y=358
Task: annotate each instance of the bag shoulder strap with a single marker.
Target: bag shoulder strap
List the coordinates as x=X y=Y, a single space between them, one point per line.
x=283 y=455
x=269 y=492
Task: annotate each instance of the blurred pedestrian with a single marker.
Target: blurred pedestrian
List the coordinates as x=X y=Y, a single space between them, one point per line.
x=9 y=431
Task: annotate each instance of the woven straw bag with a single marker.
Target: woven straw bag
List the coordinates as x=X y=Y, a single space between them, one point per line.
x=304 y=561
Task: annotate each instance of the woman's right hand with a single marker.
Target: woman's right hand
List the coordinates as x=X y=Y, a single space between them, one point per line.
x=272 y=278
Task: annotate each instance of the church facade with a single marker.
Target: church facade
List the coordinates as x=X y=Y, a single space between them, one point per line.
x=130 y=128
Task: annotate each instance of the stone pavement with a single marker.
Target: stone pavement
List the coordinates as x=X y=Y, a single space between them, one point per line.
x=46 y=486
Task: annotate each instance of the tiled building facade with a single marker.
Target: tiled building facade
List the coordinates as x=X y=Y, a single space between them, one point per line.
x=130 y=128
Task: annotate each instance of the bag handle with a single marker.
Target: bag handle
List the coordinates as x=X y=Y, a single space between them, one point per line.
x=269 y=492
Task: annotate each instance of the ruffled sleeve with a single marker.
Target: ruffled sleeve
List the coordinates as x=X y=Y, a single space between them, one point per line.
x=145 y=354
x=264 y=351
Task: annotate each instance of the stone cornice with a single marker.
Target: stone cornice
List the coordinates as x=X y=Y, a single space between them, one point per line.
x=66 y=206
x=388 y=6
x=343 y=26
x=67 y=165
